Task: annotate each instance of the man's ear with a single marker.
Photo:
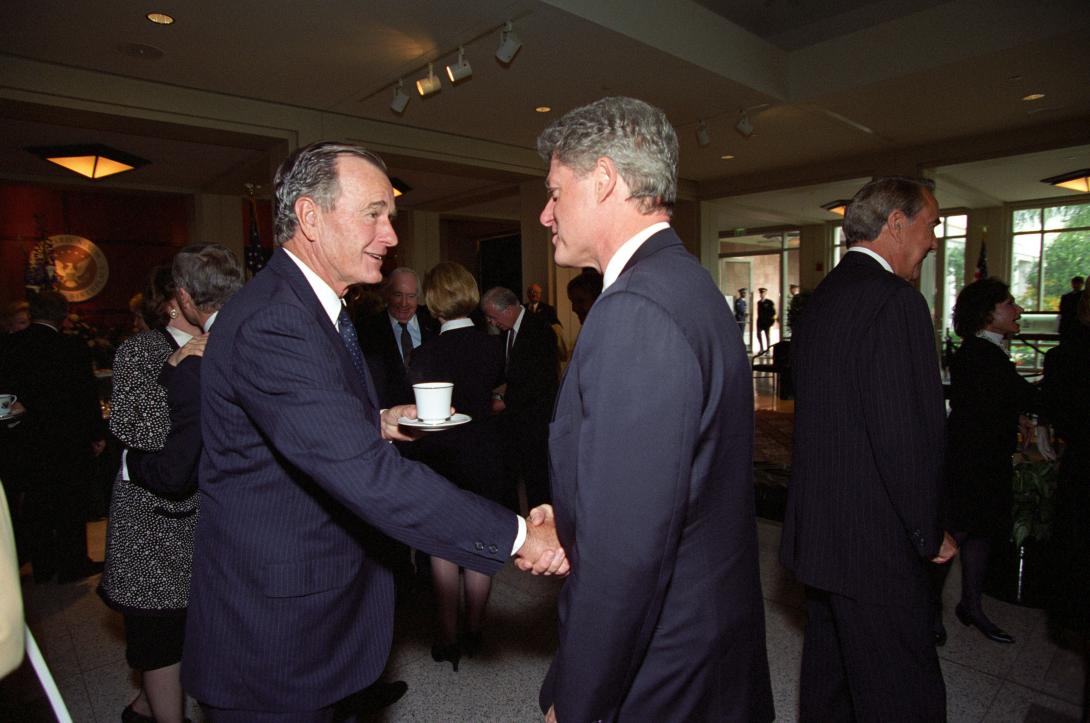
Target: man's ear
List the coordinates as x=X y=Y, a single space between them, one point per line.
x=895 y=222
x=605 y=178
x=306 y=210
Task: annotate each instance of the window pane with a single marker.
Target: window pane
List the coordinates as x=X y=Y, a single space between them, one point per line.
x=1028 y=219
x=1067 y=254
x=954 y=278
x=956 y=225
x=1025 y=269
x=1061 y=217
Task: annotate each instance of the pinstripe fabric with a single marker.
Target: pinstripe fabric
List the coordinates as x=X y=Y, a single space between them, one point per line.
x=287 y=610
x=864 y=497
x=863 y=507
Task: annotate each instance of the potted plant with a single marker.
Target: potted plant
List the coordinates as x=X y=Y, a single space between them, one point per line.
x=1019 y=567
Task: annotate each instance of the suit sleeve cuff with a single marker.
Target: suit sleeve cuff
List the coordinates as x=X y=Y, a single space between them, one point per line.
x=521 y=536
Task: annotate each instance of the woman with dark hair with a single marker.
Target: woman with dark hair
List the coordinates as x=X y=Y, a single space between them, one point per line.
x=468 y=455
x=153 y=511
x=988 y=404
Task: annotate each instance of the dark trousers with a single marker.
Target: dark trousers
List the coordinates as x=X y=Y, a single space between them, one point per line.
x=865 y=662
x=225 y=715
x=55 y=517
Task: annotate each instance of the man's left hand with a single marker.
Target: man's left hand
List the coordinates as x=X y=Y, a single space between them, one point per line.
x=388 y=423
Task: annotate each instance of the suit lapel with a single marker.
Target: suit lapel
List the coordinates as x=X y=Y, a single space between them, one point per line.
x=365 y=387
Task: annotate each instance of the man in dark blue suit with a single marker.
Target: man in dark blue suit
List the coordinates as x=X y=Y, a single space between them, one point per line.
x=289 y=612
x=651 y=447
x=863 y=506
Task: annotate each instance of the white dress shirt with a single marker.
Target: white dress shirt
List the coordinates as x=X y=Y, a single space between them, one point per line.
x=627 y=251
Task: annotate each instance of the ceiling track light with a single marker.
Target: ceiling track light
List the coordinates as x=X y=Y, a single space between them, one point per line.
x=839 y=207
x=1074 y=181
x=430 y=84
x=744 y=126
x=703 y=138
x=460 y=70
x=401 y=98
x=509 y=44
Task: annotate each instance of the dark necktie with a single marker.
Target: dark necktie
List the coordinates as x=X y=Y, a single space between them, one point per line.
x=406 y=342
x=352 y=343
x=510 y=343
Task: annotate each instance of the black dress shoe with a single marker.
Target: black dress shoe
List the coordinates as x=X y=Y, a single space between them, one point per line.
x=371 y=699
x=452 y=653
x=990 y=630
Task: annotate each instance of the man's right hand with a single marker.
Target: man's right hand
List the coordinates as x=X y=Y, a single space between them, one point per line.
x=193 y=347
x=947 y=551
x=541 y=553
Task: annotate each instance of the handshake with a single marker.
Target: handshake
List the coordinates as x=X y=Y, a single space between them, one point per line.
x=541 y=552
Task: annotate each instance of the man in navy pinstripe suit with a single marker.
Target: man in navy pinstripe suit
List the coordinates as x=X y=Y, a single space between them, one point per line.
x=863 y=508
x=289 y=610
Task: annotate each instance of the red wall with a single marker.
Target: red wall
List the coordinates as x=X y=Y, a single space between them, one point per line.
x=135 y=231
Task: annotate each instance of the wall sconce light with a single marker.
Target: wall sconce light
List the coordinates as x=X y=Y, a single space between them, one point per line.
x=509 y=44
x=461 y=70
x=838 y=207
x=401 y=98
x=1075 y=180
x=703 y=138
x=90 y=160
x=430 y=84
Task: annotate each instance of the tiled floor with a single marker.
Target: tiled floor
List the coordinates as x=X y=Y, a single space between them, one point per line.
x=1033 y=680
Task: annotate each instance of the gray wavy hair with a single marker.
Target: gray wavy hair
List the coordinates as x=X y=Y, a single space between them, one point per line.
x=312 y=171
x=210 y=274
x=636 y=136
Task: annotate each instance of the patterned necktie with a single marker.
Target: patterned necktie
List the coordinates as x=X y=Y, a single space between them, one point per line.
x=406 y=342
x=352 y=343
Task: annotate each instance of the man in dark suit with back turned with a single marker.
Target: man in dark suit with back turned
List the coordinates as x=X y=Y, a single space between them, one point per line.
x=863 y=505
x=289 y=612
x=651 y=446
x=531 y=378
x=388 y=339
x=52 y=448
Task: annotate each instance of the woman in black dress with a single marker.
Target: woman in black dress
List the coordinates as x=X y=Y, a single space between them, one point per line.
x=468 y=455
x=988 y=404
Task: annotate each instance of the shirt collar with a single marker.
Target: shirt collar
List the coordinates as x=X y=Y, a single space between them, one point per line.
x=455 y=324
x=327 y=297
x=211 y=320
x=874 y=255
x=627 y=250
x=518 y=321
x=181 y=338
x=993 y=337
x=412 y=323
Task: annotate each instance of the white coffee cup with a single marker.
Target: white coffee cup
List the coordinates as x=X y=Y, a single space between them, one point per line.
x=6 y=400
x=433 y=400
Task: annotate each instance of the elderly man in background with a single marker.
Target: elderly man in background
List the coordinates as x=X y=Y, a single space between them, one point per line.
x=863 y=506
x=289 y=612
x=527 y=401
x=388 y=340
x=536 y=305
x=651 y=447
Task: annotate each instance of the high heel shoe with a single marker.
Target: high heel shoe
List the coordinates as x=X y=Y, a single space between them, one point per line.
x=452 y=652
x=990 y=630
x=471 y=643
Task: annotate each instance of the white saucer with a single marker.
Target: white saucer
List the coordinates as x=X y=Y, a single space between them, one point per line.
x=454 y=421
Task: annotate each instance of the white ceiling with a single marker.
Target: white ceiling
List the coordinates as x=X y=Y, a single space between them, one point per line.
x=844 y=79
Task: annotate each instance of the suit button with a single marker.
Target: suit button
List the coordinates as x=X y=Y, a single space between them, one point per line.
x=478 y=545
x=493 y=549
